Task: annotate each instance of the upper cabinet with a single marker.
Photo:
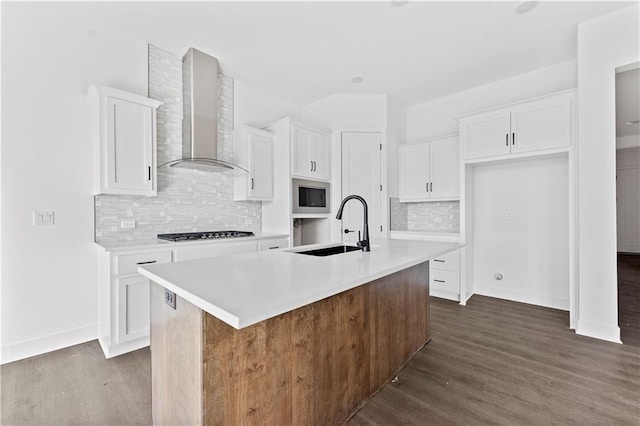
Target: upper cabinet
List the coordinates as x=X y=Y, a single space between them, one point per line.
x=542 y=124
x=124 y=131
x=311 y=159
x=254 y=152
x=429 y=171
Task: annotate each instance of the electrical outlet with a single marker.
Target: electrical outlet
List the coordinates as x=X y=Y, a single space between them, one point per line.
x=43 y=218
x=170 y=298
x=128 y=224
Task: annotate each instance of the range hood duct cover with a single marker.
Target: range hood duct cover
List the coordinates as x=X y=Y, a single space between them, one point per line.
x=200 y=115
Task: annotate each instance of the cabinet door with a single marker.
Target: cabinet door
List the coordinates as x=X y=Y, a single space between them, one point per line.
x=319 y=155
x=261 y=167
x=486 y=135
x=541 y=125
x=133 y=308
x=302 y=165
x=129 y=146
x=445 y=169
x=414 y=172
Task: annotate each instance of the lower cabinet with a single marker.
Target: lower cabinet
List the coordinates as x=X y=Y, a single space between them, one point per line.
x=444 y=271
x=444 y=276
x=124 y=293
x=124 y=300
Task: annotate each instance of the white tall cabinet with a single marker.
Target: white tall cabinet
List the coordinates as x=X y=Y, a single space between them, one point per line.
x=429 y=171
x=254 y=152
x=124 y=133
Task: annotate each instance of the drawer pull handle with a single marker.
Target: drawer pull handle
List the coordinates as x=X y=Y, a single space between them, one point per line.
x=439 y=260
x=144 y=263
x=274 y=247
x=439 y=281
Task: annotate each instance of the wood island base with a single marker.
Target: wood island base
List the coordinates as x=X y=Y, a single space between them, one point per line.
x=311 y=366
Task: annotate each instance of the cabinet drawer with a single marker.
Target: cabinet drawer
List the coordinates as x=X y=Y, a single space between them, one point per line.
x=213 y=250
x=273 y=244
x=444 y=280
x=128 y=264
x=446 y=262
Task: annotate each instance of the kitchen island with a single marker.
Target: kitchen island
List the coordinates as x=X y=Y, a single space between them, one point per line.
x=281 y=337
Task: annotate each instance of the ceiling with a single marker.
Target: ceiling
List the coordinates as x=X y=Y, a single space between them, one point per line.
x=304 y=51
x=628 y=102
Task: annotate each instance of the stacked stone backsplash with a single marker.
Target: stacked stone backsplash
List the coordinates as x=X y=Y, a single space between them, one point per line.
x=432 y=216
x=187 y=200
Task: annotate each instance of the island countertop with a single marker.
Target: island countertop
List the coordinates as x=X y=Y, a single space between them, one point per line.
x=244 y=289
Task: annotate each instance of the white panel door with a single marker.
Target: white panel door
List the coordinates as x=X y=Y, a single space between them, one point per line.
x=414 y=172
x=486 y=135
x=445 y=169
x=261 y=166
x=541 y=125
x=361 y=175
x=628 y=209
x=129 y=145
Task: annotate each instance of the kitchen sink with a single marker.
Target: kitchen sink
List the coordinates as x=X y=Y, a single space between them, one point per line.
x=329 y=251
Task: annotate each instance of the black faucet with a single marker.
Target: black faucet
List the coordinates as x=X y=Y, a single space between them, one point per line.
x=364 y=244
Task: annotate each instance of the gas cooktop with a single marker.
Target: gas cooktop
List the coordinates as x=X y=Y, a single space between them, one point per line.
x=209 y=235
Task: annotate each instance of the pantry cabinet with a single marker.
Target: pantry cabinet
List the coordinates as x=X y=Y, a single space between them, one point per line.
x=429 y=171
x=310 y=154
x=124 y=133
x=538 y=125
x=254 y=152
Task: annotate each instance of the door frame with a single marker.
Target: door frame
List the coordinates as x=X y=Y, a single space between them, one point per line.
x=336 y=176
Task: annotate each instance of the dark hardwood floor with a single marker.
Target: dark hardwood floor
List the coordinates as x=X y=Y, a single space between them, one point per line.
x=629 y=298
x=491 y=362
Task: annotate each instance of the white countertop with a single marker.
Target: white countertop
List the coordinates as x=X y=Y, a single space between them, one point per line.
x=244 y=289
x=171 y=245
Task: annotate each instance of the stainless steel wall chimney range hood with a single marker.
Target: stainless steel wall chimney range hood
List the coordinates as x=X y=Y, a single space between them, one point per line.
x=200 y=115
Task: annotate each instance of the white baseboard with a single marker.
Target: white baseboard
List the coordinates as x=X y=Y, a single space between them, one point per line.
x=444 y=294
x=599 y=331
x=52 y=342
x=522 y=296
x=463 y=301
x=122 y=348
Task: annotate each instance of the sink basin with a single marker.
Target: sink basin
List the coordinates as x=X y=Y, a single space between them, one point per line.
x=330 y=251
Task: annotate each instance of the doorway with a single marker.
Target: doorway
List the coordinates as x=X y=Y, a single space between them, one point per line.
x=628 y=202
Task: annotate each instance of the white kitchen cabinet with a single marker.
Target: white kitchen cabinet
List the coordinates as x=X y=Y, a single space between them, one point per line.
x=444 y=270
x=124 y=133
x=538 y=125
x=254 y=152
x=276 y=243
x=429 y=171
x=311 y=153
x=124 y=300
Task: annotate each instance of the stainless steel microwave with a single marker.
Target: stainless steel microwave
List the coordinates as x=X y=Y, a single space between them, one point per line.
x=310 y=196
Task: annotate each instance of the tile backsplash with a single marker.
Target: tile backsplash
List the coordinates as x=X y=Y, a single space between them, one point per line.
x=187 y=200
x=430 y=216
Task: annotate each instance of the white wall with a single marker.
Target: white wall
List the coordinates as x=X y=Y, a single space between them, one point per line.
x=257 y=108
x=346 y=110
x=437 y=117
x=604 y=44
x=521 y=230
x=49 y=274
